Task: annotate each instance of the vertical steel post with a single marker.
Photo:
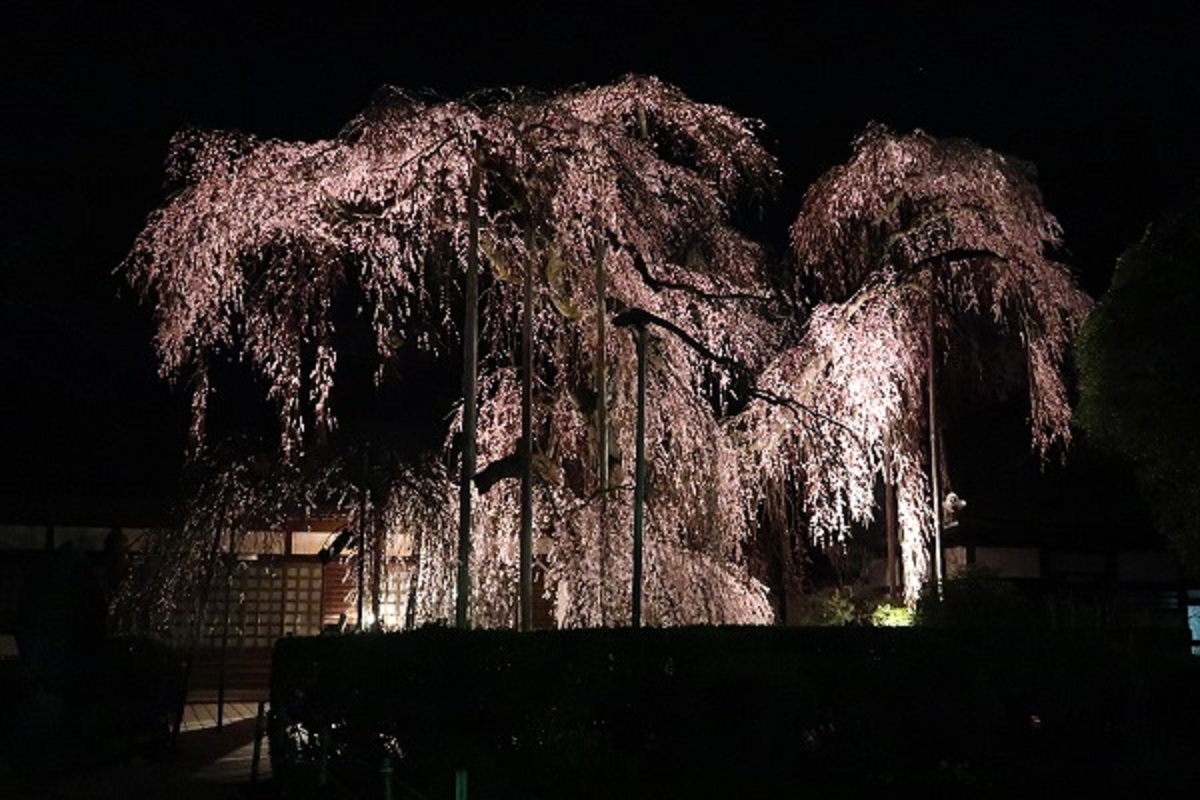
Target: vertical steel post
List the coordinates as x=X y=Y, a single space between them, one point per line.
x=225 y=636
x=462 y=600
x=934 y=484
x=639 y=492
x=526 y=543
x=260 y=730
x=385 y=772
x=362 y=540
x=602 y=422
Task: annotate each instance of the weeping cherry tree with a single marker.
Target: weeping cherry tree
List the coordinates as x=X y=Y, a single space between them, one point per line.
x=934 y=260
x=632 y=187
x=614 y=197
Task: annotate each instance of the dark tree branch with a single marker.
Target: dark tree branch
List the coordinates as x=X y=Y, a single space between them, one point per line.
x=639 y=317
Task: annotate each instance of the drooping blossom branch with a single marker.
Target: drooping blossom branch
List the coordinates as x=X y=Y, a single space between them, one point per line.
x=249 y=254
x=909 y=223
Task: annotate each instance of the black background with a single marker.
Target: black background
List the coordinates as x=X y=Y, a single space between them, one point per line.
x=1103 y=103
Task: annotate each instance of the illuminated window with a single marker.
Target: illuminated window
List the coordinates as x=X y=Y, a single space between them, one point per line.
x=305 y=543
x=1194 y=619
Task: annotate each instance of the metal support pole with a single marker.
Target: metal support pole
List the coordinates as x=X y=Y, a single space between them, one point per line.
x=362 y=540
x=934 y=484
x=385 y=772
x=260 y=730
x=225 y=637
x=602 y=423
x=639 y=492
x=462 y=600
x=323 y=757
x=638 y=319
x=526 y=544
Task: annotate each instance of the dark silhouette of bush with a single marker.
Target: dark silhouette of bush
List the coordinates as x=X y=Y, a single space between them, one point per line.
x=977 y=597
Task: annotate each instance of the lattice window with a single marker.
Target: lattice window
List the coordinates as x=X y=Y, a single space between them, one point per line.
x=302 y=611
x=257 y=618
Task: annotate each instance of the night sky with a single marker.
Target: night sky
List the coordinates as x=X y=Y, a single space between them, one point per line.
x=1104 y=104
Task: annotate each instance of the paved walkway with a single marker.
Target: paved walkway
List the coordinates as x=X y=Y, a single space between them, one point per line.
x=198 y=716
x=208 y=763
x=236 y=765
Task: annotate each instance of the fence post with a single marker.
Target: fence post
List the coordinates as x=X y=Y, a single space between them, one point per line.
x=385 y=770
x=258 y=737
x=323 y=774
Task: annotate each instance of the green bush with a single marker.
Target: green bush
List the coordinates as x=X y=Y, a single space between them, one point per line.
x=841 y=607
x=887 y=615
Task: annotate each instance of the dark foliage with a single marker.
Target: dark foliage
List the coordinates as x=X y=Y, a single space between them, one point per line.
x=689 y=712
x=1138 y=354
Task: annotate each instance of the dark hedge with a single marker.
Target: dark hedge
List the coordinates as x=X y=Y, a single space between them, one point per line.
x=688 y=712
